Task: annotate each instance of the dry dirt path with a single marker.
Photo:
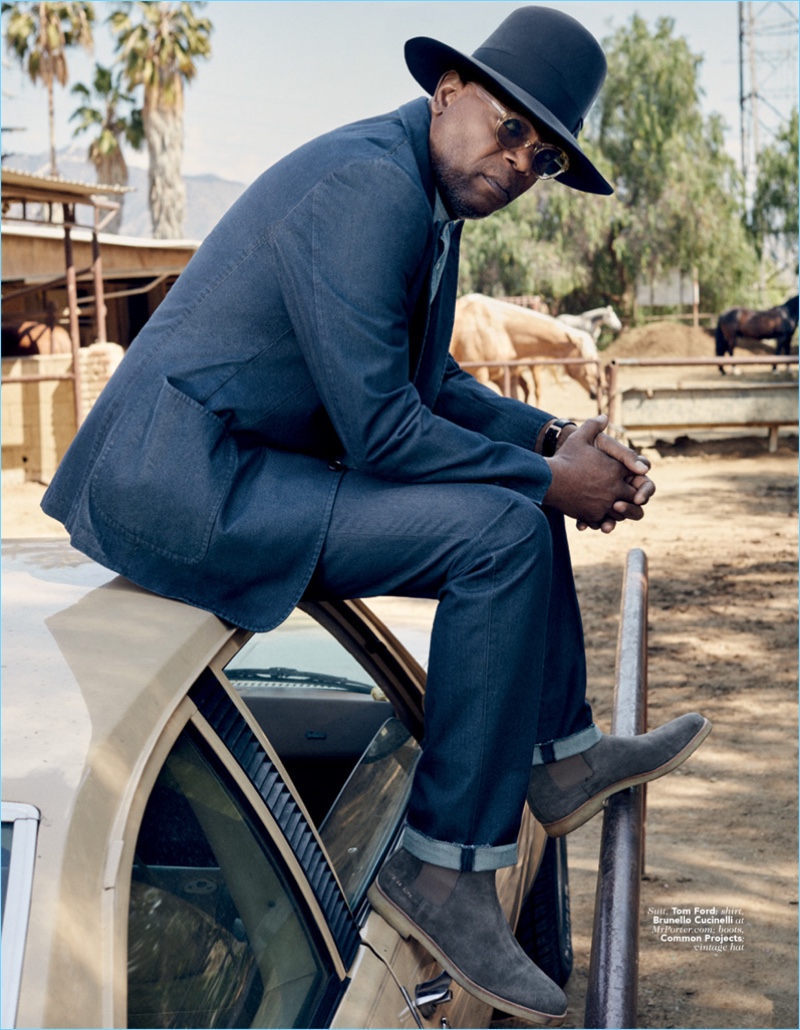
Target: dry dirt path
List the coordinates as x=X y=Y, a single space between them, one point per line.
x=721 y=542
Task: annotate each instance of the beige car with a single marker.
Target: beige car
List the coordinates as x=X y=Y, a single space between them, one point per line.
x=192 y=815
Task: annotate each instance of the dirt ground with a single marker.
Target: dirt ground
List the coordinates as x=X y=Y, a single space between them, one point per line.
x=720 y=537
x=721 y=542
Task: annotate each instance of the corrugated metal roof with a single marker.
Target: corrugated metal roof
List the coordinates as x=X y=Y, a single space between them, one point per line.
x=33 y=186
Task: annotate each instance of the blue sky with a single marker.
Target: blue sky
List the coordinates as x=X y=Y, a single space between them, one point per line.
x=282 y=72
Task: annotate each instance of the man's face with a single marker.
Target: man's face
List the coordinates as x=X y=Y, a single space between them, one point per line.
x=474 y=174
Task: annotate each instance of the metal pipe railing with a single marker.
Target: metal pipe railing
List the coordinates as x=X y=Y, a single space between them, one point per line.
x=521 y=363
x=612 y=993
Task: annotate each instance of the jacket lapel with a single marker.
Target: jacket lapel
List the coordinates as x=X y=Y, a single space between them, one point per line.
x=431 y=325
x=439 y=330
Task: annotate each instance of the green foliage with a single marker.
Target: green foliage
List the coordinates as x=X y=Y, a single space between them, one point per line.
x=159 y=50
x=677 y=201
x=39 y=35
x=774 y=217
x=101 y=111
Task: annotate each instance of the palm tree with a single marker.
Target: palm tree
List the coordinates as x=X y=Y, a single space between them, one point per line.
x=38 y=34
x=112 y=126
x=158 y=53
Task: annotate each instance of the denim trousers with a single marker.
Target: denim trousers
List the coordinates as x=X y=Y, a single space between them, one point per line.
x=506 y=683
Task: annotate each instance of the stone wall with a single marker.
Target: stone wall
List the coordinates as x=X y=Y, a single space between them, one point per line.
x=38 y=418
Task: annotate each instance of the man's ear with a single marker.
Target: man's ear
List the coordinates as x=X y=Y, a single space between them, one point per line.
x=449 y=88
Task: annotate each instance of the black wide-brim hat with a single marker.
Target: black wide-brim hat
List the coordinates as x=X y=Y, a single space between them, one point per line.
x=540 y=62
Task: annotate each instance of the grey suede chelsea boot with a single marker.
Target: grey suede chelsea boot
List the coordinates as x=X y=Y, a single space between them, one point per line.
x=567 y=793
x=457 y=918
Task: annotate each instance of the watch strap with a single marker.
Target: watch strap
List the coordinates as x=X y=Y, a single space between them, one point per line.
x=552 y=434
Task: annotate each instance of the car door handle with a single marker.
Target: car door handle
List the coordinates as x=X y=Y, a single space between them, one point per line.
x=431 y=993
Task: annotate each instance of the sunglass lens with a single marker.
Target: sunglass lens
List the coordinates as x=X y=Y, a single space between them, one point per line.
x=512 y=133
x=548 y=162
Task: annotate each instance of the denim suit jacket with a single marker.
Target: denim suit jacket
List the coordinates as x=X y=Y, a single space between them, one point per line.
x=298 y=342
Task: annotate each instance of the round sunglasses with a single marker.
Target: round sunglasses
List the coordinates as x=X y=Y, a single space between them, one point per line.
x=513 y=133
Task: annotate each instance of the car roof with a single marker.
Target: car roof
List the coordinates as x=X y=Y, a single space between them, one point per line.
x=91 y=665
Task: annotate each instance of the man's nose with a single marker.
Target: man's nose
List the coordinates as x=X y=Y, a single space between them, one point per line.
x=521 y=160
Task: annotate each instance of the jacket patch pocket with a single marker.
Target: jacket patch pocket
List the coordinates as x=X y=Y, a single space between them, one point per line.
x=163 y=474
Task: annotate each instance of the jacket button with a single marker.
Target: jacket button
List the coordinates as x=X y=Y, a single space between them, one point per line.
x=336 y=466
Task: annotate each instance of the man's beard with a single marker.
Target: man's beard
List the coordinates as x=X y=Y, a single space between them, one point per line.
x=455 y=190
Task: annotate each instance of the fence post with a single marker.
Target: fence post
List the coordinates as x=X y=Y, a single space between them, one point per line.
x=613 y=990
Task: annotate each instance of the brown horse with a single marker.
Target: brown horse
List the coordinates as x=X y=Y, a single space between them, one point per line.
x=36 y=338
x=491 y=330
x=776 y=324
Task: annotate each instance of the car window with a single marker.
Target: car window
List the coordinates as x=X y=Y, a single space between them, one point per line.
x=364 y=818
x=299 y=653
x=348 y=757
x=217 y=934
x=317 y=705
x=19 y=828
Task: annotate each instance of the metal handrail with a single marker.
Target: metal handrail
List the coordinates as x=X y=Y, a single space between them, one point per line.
x=612 y=993
x=507 y=366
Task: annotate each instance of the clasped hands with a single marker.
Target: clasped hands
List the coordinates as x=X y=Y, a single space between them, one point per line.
x=597 y=480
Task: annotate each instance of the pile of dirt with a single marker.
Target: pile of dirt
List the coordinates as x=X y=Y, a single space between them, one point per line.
x=662 y=340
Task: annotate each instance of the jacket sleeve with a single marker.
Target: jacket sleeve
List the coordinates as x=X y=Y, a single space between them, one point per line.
x=346 y=257
x=465 y=401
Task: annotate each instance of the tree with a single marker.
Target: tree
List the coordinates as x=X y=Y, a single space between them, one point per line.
x=158 y=52
x=679 y=191
x=774 y=215
x=100 y=111
x=39 y=35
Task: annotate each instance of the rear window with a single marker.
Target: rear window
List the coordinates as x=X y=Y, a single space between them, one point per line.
x=218 y=934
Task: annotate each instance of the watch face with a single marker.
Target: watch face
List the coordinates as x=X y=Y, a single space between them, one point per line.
x=550 y=438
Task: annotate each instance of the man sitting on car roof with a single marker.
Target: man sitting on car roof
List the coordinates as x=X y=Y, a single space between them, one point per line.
x=289 y=423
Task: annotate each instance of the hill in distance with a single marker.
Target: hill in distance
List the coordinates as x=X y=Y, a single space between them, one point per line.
x=207 y=196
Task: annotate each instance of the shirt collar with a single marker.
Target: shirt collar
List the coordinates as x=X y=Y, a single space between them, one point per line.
x=440 y=213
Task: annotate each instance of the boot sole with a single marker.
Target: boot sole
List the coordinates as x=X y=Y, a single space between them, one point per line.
x=591 y=807
x=400 y=922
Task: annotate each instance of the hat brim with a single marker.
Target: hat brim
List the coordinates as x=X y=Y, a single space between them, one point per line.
x=428 y=59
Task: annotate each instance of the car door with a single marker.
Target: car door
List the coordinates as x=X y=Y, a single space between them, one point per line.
x=245 y=908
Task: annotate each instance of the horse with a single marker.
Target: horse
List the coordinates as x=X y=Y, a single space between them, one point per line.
x=776 y=324
x=491 y=330
x=36 y=338
x=592 y=322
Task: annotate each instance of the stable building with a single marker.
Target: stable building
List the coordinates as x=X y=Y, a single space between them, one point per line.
x=73 y=299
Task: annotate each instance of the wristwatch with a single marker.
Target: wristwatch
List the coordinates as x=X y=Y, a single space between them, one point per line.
x=552 y=435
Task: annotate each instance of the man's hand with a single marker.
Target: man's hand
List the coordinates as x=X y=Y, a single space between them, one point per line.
x=597 y=491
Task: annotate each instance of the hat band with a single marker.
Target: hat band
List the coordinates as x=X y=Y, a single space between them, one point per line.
x=549 y=91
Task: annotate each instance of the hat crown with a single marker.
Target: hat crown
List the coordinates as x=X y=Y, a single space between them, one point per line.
x=550 y=56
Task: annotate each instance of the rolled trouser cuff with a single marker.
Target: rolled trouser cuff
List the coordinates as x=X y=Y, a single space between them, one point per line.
x=566 y=747
x=466 y=857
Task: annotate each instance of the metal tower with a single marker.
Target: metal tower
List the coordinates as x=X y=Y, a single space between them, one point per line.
x=768 y=76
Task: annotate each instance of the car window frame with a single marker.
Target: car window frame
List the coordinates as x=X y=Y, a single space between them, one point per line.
x=190 y=712
x=332 y=908
x=16 y=910
x=203 y=743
